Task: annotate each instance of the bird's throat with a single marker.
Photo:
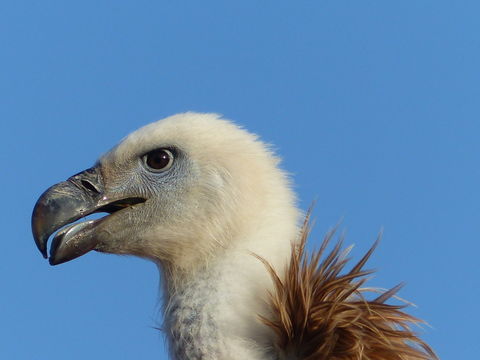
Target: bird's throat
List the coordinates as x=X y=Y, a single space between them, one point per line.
x=214 y=315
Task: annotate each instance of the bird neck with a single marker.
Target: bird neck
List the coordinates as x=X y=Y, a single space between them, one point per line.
x=213 y=312
x=215 y=315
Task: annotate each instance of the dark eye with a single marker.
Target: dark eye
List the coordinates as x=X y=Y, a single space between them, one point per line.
x=158 y=160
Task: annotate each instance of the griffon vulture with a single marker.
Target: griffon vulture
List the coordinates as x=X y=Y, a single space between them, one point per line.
x=207 y=202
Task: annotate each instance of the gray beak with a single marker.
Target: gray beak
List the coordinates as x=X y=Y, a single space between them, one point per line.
x=66 y=202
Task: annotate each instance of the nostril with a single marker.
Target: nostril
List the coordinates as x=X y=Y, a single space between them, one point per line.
x=89 y=186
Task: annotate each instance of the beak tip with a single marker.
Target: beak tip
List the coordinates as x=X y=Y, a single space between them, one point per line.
x=53 y=262
x=41 y=246
x=39 y=231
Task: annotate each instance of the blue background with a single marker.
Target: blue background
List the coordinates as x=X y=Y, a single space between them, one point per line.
x=373 y=105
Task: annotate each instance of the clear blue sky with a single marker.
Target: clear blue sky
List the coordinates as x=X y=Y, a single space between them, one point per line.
x=373 y=105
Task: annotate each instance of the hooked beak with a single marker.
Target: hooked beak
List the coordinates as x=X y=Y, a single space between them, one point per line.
x=66 y=202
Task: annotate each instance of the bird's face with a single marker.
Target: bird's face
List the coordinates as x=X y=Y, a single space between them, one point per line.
x=170 y=191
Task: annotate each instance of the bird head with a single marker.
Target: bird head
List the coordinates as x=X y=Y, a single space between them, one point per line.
x=177 y=190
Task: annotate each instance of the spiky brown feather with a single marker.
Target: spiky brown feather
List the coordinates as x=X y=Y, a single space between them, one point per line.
x=319 y=312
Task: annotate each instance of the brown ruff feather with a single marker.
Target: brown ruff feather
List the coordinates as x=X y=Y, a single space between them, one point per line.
x=319 y=313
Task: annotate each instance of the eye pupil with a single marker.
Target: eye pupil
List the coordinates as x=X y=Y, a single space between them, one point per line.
x=160 y=159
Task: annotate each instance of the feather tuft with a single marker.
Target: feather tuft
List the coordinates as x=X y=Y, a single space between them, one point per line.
x=319 y=312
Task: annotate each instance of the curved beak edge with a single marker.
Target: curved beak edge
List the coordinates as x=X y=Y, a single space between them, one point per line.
x=58 y=206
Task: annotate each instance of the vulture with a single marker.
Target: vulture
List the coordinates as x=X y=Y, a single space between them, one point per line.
x=208 y=203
